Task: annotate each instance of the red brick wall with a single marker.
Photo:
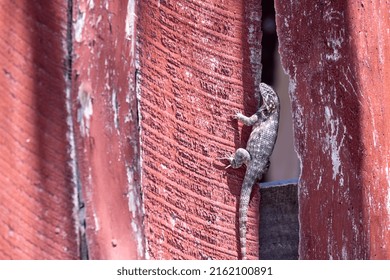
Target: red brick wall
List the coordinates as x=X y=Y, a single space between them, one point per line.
x=36 y=194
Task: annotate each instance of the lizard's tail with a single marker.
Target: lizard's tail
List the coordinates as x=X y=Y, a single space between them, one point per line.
x=243 y=215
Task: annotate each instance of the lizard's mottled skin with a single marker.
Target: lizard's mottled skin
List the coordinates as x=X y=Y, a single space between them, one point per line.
x=265 y=123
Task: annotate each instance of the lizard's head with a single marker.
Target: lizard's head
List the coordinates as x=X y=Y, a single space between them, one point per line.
x=270 y=98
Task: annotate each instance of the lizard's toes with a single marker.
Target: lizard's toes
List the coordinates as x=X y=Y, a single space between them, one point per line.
x=228 y=157
x=237 y=115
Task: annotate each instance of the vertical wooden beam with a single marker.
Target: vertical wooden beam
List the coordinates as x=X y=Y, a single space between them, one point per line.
x=106 y=127
x=337 y=56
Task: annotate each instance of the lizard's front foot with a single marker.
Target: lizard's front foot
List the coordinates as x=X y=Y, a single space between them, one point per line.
x=229 y=157
x=238 y=115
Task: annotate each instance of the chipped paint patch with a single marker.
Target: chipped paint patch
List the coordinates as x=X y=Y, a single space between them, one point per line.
x=91 y=4
x=332 y=142
x=334 y=43
x=335 y=38
x=115 y=108
x=79 y=26
x=172 y=221
x=85 y=111
x=135 y=208
x=96 y=221
x=73 y=165
x=130 y=24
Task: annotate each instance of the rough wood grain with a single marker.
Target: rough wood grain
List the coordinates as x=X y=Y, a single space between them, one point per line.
x=106 y=127
x=337 y=57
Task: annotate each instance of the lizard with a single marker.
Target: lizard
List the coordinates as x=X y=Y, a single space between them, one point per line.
x=265 y=124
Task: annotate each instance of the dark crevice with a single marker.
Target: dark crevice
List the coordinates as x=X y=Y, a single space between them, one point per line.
x=80 y=207
x=268 y=43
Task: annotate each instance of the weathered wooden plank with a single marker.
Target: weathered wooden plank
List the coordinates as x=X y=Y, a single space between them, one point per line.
x=106 y=127
x=337 y=56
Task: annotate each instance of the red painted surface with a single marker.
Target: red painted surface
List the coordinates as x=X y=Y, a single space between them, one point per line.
x=36 y=204
x=337 y=57
x=198 y=65
x=197 y=69
x=106 y=127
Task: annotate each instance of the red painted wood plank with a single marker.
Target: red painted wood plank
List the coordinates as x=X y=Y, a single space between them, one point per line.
x=199 y=63
x=36 y=194
x=337 y=56
x=106 y=127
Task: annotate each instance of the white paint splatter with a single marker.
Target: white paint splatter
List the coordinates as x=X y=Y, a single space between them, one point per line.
x=332 y=143
x=163 y=167
x=85 y=111
x=335 y=38
x=133 y=202
x=130 y=24
x=214 y=63
x=73 y=163
x=172 y=221
x=91 y=4
x=99 y=19
x=78 y=26
x=286 y=23
x=334 y=43
x=115 y=108
x=344 y=252
x=134 y=207
x=96 y=220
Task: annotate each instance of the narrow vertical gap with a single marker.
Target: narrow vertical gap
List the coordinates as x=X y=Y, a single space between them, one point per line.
x=268 y=43
x=284 y=160
x=278 y=223
x=79 y=206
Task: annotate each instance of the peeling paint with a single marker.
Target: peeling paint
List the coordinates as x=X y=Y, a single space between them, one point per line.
x=96 y=221
x=135 y=209
x=332 y=143
x=132 y=201
x=335 y=43
x=115 y=108
x=130 y=24
x=335 y=39
x=172 y=221
x=84 y=112
x=91 y=4
x=79 y=26
x=73 y=163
